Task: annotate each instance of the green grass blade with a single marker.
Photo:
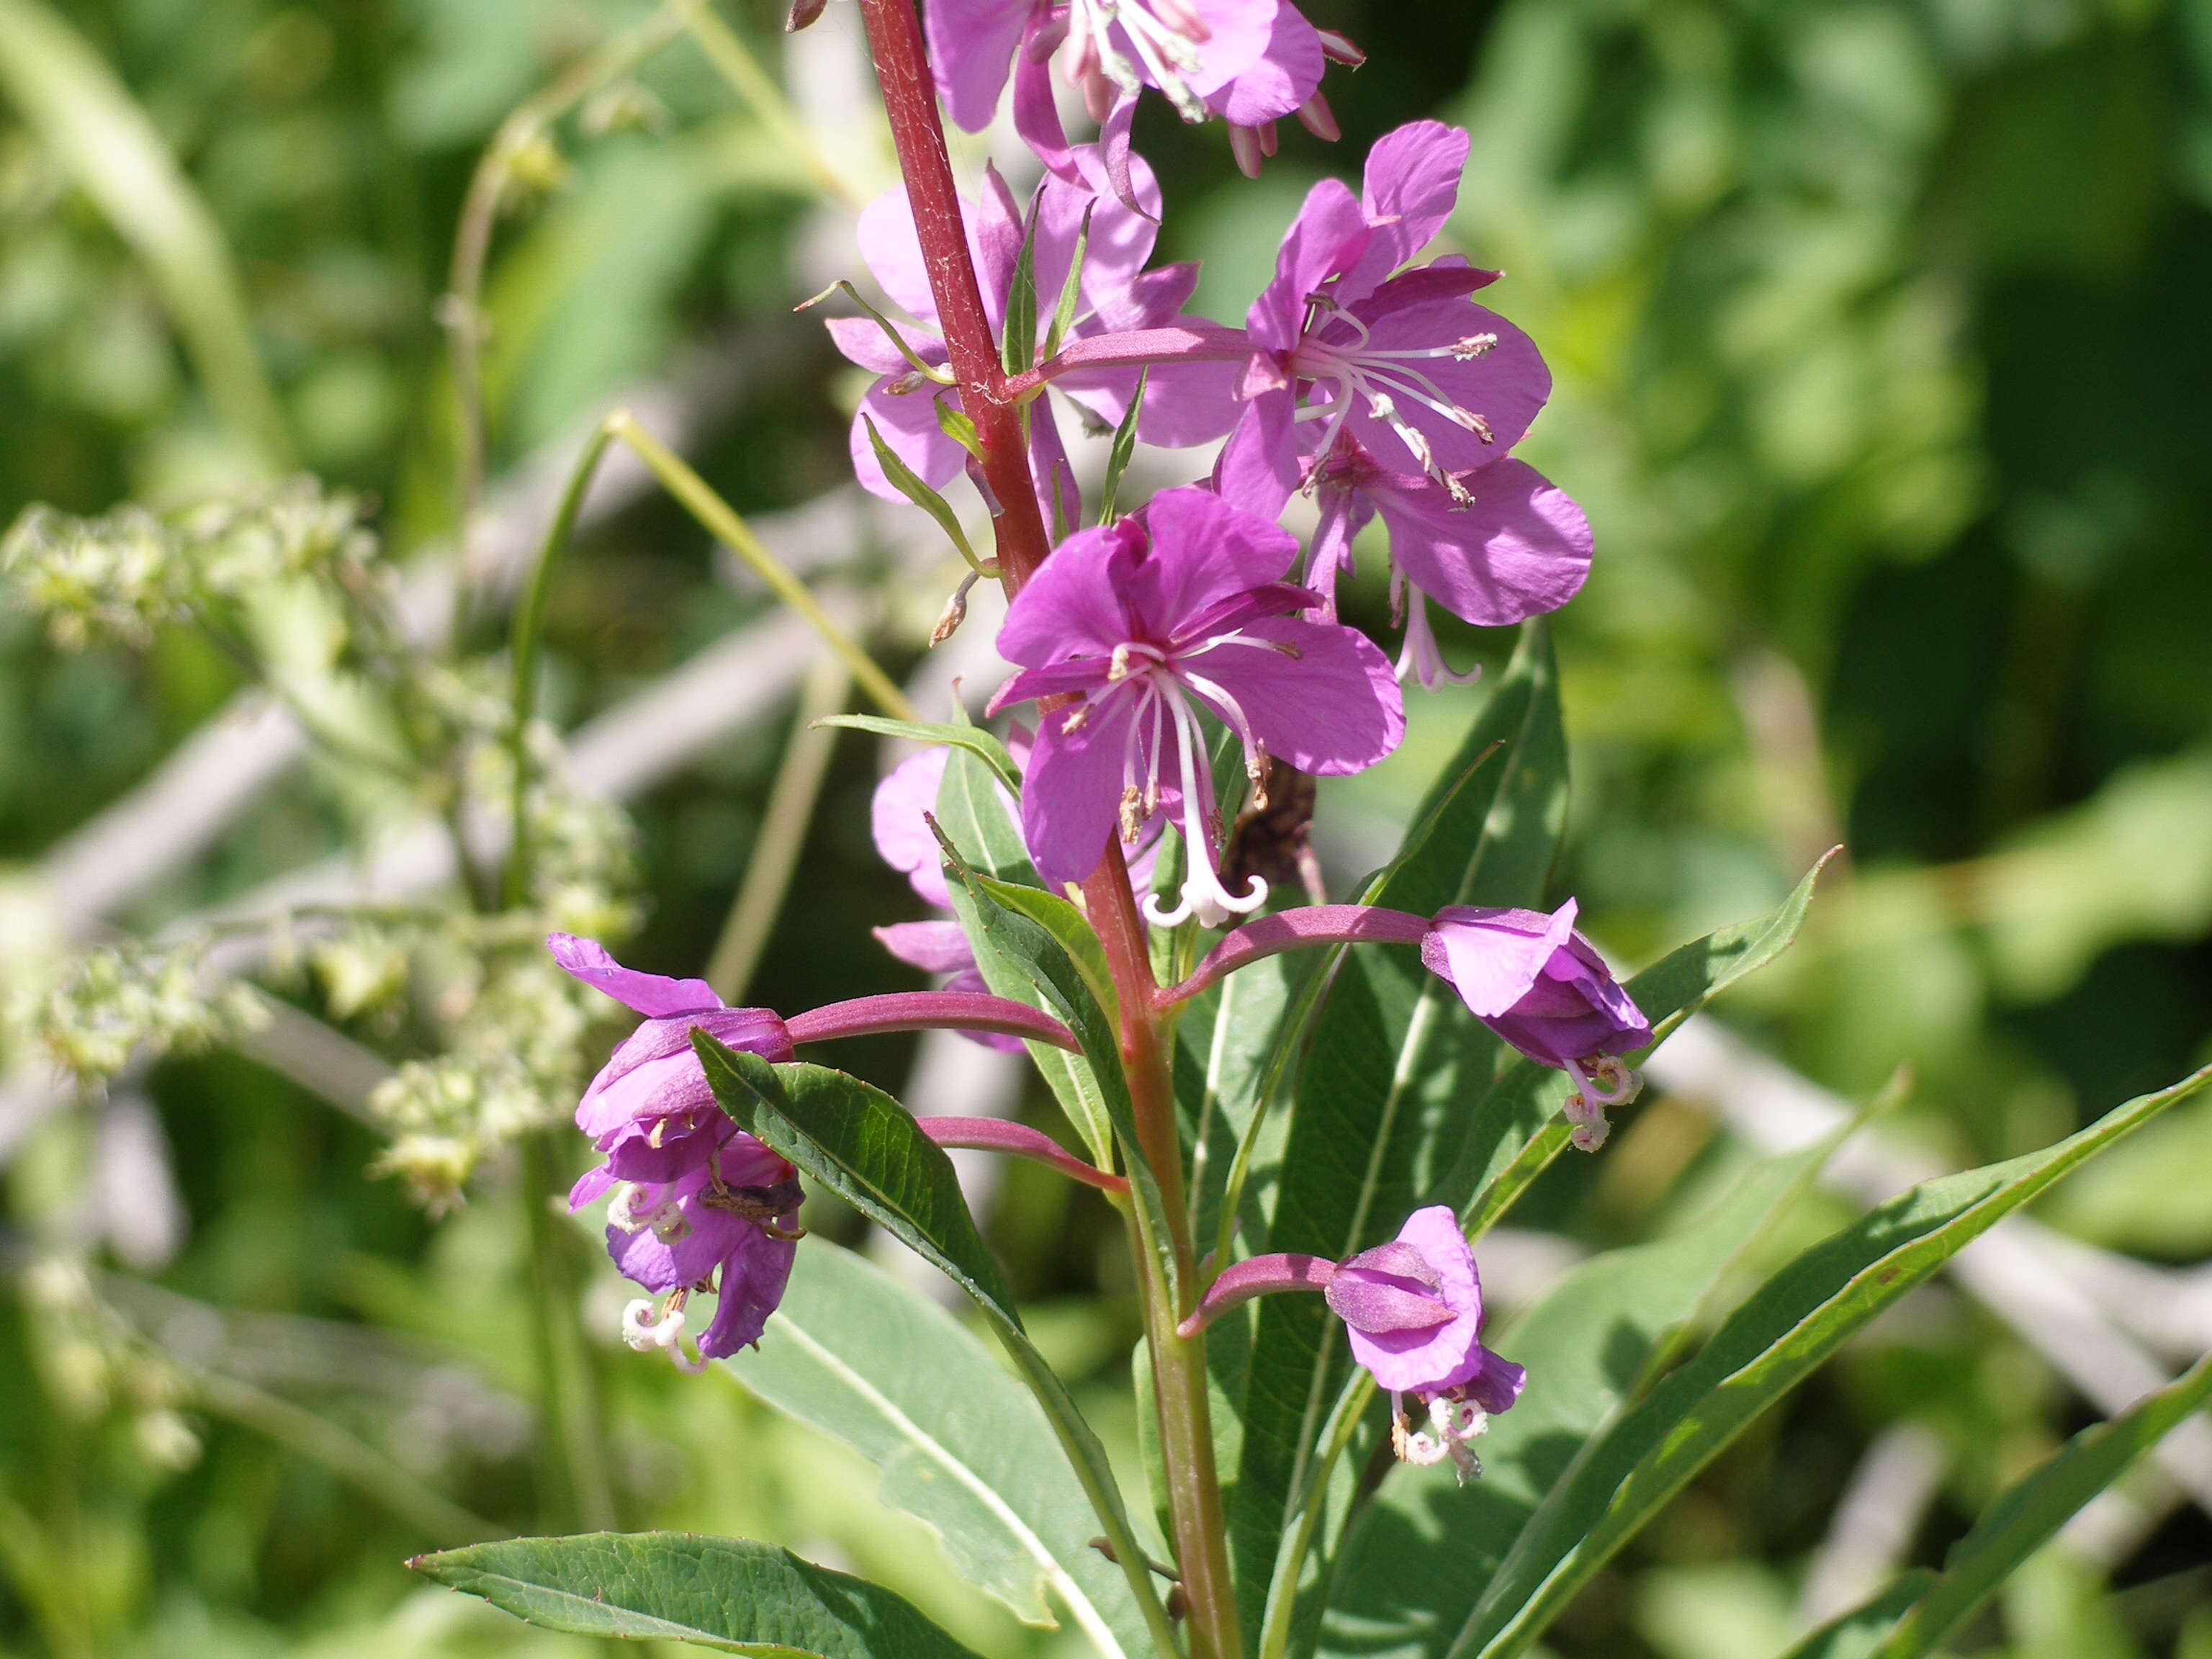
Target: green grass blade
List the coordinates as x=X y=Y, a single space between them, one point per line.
x=87 y=120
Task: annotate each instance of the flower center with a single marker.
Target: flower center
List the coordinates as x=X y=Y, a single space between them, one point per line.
x=1164 y=34
x=1382 y=379
x=1162 y=681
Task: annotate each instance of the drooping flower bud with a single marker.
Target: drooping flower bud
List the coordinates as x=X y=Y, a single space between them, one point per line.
x=1413 y=1309
x=1543 y=987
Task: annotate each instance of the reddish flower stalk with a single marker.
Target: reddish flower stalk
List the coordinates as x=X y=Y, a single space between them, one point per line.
x=995 y=1134
x=1290 y=930
x=1183 y=343
x=1259 y=1275
x=918 y=135
x=928 y=1010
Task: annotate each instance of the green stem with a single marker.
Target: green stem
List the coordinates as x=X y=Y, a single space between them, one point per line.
x=569 y=1390
x=524 y=632
x=462 y=309
x=756 y=88
x=1179 y=1382
x=440 y=1520
x=698 y=498
x=784 y=820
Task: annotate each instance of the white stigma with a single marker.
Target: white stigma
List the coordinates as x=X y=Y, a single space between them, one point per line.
x=647 y=1326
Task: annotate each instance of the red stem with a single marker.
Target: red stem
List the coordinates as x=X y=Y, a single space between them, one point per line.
x=1257 y=1275
x=918 y=135
x=928 y=1011
x=996 y=1134
x=1183 y=343
x=1289 y=930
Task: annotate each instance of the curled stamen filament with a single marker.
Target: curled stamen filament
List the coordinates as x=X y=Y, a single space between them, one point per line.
x=1201 y=886
x=646 y=1326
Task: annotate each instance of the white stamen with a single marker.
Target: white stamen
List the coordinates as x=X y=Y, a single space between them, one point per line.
x=1422 y=656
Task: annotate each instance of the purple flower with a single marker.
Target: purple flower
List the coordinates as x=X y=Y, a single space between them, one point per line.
x=1179 y=606
x=699 y=1204
x=1185 y=402
x=1505 y=546
x=1413 y=1309
x=1409 y=368
x=1248 y=61
x=1543 y=987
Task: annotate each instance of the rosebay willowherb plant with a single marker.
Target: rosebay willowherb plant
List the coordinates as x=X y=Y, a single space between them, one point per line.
x=1308 y=1122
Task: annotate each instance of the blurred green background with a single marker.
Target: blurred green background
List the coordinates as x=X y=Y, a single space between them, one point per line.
x=1882 y=335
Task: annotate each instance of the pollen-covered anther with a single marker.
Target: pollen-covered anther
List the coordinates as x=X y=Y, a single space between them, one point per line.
x=1078 y=718
x=1466 y=350
x=1118 y=667
x=1131 y=812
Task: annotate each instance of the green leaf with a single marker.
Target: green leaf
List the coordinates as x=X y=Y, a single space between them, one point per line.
x=73 y=104
x=1626 y=1475
x=1381 y=1103
x=2032 y=1510
x=1071 y=288
x=862 y=1144
x=909 y=483
x=958 y=426
x=934 y=372
x=1123 y=447
x=1018 y=342
x=1021 y=957
x=1586 y=1345
x=1069 y=930
x=973 y=739
x=961 y=1445
x=729 y=1594
x=1854 y=1634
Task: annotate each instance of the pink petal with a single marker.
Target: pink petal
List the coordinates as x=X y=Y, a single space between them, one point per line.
x=1522 y=548
x=651 y=994
x=1238 y=34
x=1506 y=385
x=1203 y=551
x=1071 y=795
x=1492 y=956
x=1333 y=710
x=1259 y=464
x=1073 y=606
x=970 y=43
x=1411 y=185
x=1282 y=77
x=1326 y=237
x=935 y=947
x=895 y=818
x=861 y=342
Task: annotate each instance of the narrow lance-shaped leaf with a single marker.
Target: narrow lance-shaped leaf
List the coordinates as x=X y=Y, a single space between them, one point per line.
x=1627 y=1475
x=961 y=1444
x=729 y=1594
x=909 y=483
x=973 y=739
x=1856 y=1633
x=1119 y=452
x=2030 y=1511
x=863 y=1145
x=1018 y=344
